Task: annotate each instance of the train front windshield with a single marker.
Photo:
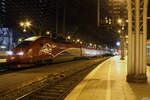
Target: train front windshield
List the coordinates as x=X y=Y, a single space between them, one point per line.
x=23 y=44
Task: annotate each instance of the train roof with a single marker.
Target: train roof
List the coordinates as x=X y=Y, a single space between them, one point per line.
x=33 y=38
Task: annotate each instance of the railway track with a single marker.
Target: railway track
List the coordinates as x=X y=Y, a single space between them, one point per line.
x=3 y=67
x=60 y=89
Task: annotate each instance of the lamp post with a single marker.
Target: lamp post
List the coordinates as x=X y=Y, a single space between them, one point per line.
x=122 y=37
x=25 y=25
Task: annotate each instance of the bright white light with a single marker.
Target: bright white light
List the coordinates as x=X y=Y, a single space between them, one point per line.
x=119 y=21
x=90 y=44
x=68 y=37
x=119 y=31
x=148 y=46
x=28 y=24
x=20 y=39
x=48 y=33
x=21 y=24
x=3 y=47
x=126 y=36
x=20 y=53
x=78 y=40
x=118 y=43
x=90 y=52
x=24 y=30
x=10 y=53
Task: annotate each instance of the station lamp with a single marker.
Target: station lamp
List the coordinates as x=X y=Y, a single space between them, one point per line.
x=28 y=24
x=78 y=40
x=25 y=24
x=118 y=43
x=20 y=40
x=47 y=33
x=24 y=30
x=119 y=31
x=81 y=42
x=68 y=37
x=119 y=21
x=21 y=24
x=90 y=44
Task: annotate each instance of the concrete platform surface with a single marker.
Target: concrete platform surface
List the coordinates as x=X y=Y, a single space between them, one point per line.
x=2 y=60
x=108 y=82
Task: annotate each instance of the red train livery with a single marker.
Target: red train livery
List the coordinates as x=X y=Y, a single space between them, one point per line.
x=38 y=50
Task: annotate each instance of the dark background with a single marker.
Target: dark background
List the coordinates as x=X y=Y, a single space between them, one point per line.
x=81 y=19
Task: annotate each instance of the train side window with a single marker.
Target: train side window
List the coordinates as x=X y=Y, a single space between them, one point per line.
x=23 y=44
x=41 y=45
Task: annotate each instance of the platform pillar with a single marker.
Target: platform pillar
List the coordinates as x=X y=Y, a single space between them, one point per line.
x=137 y=37
x=122 y=47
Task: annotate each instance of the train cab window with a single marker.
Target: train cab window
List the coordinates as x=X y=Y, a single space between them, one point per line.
x=41 y=45
x=60 y=40
x=23 y=44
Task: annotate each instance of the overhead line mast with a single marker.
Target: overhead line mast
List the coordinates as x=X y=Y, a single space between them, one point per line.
x=98 y=13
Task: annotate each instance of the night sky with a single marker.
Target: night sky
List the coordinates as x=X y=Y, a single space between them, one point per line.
x=81 y=18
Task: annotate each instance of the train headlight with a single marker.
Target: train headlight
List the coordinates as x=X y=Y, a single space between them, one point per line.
x=20 y=53
x=10 y=53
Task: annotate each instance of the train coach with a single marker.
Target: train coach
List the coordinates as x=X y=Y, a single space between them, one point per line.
x=39 y=50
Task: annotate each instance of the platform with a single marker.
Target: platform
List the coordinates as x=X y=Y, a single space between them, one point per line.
x=108 y=82
x=2 y=60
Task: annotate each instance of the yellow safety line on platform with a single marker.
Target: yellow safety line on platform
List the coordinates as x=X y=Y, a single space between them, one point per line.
x=82 y=84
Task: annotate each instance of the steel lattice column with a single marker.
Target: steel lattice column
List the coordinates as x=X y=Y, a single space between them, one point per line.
x=137 y=34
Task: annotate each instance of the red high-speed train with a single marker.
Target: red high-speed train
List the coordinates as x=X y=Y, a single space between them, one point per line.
x=39 y=50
